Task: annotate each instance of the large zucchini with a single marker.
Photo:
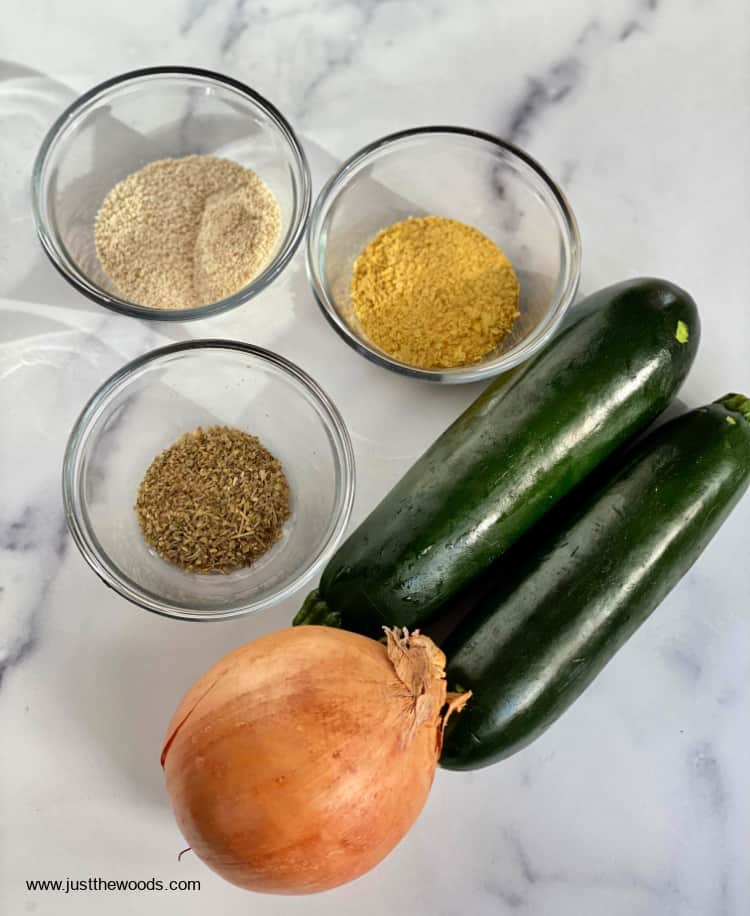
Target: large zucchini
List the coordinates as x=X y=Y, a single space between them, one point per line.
x=510 y=457
x=571 y=598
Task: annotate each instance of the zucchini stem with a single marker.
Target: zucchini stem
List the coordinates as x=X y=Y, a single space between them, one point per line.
x=315 y=612
x=737 y=403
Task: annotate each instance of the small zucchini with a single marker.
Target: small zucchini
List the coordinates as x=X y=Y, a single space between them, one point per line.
x=554 y=617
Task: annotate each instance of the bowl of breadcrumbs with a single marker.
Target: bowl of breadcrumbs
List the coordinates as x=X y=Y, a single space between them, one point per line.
x=443 y=253
x=171 y=193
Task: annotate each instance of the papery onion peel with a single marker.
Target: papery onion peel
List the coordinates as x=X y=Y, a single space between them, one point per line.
x=298 y=761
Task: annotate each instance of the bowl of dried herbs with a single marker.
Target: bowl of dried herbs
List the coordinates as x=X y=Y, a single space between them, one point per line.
x=208 y=479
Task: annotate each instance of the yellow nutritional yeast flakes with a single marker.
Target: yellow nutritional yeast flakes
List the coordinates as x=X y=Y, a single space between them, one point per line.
x=434 y=292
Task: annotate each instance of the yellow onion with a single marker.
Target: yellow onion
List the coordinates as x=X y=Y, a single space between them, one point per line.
x=297 y=762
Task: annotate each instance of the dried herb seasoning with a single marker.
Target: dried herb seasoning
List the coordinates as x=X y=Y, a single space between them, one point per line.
x=214 y=501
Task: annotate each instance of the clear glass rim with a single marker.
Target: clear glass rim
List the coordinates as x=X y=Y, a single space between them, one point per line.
x=98 y=559
x=571 y=267
x=80 y=282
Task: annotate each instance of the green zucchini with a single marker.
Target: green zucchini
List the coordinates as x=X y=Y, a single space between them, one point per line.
x=555 y=617
x=527 y=441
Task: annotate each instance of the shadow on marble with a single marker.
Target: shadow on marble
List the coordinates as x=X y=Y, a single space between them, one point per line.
x=29 y=102
x=18 y=325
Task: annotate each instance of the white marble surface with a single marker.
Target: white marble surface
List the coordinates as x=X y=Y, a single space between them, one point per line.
x=638 y=800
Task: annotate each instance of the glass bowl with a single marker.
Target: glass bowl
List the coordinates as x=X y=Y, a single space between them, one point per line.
x=124 y=123
x=461 y=174
x=150 y=403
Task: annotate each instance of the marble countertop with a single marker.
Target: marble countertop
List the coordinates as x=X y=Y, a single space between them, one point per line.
x=637 y=802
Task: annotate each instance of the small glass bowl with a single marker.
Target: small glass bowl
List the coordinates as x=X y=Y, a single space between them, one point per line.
x=461 y=174
x=163 y=112
x=150 y=403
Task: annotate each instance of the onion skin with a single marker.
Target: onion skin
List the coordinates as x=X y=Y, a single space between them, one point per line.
x=298 y=761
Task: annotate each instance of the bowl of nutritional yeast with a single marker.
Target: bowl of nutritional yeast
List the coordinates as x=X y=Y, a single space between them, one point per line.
x=170 y=193
x=443 y=253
